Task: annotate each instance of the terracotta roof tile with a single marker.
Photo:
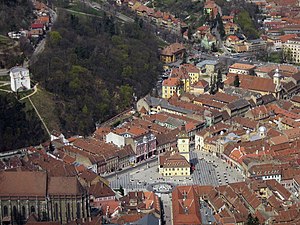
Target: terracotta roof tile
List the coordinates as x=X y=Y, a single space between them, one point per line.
x=173 y=48
x=171 y=82
x=64 y=186
x=23 y=183
x=201 y=84
x=252 y=83
x=242 y=66
x=100 y=190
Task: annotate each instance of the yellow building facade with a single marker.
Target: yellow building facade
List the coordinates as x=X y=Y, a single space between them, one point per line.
x=291 y=50
x=176 y=162
x=183 y=145
x=170 y=86
x=174 y=171
x=194 y=77
x=172 y=53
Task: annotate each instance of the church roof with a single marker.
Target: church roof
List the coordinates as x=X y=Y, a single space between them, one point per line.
x=23 y=183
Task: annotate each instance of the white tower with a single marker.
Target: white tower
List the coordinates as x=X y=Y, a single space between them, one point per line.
x=262 y=131
x=19 y=79
x=277 y=77
x=183 y=144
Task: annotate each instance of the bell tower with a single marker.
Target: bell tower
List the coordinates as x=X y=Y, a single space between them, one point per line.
x=183 y=143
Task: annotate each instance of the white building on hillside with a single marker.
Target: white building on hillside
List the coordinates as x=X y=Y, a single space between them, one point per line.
x=19 y=79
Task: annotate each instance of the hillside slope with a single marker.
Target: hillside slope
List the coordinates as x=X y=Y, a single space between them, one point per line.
x=15 y=14
x=94 y=66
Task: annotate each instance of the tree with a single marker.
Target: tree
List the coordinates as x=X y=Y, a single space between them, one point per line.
x=236 y=82
x=184 y=58
x=190 y=33
x=55 y=37
x=17 y=121
x=212 y=85
x=220 y=26
x=121 y=189
x=287 y=55
x=214 y=47
x=252 y=221
x=247 y=24
x=95 y=68
x=219 y=79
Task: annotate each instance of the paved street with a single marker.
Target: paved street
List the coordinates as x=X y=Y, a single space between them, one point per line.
x=206 y=213
x=209 y=170
x=204 y=173
x=225 y=174
x=167 y=210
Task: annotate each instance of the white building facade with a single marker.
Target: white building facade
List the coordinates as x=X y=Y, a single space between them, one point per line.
x=19 y=79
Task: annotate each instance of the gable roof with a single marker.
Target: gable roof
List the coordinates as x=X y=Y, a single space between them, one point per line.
x=171 y=82
x=252 y=82
x=201 y=84
x=23 y=183
x=172 y=49
x=242 y=66
x=64 y=186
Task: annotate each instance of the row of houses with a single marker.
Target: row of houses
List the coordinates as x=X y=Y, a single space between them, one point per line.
x=231 y=204
x=39 y=25
x=161 y=19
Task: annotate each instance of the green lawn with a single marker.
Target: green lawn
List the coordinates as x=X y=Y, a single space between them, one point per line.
x=4 y=39
x=80 y=7
x=45 y=104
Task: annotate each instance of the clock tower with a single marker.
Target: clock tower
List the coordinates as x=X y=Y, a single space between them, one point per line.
x=183 y=144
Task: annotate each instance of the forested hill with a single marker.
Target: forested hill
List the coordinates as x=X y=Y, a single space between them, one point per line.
x=14 y=14
x=19 y=125
x=93 y=66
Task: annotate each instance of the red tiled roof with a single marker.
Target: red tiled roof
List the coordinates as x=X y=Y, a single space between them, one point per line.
x=171 y=82
x=233 y=38
x=252 y=83
x=190 y=68
x=242 y=66
x=173 y=49
x=23 y=183
x=203 y=28
x=100 y=190
x=201 y=84
x=173 y=160
x=185 y=210
x=37 y=26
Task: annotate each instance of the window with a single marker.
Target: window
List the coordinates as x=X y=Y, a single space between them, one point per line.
x=32 y=209
x=78 y=210
x=69 y=212
x=23 y=212
x=15 y=213
x=56 y=211
x=5 y=211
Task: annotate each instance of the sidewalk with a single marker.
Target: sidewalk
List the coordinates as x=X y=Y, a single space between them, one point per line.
x=149 y=160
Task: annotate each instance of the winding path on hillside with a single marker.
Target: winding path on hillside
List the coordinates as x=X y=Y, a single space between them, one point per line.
x=34 y=91
x=41 y=119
